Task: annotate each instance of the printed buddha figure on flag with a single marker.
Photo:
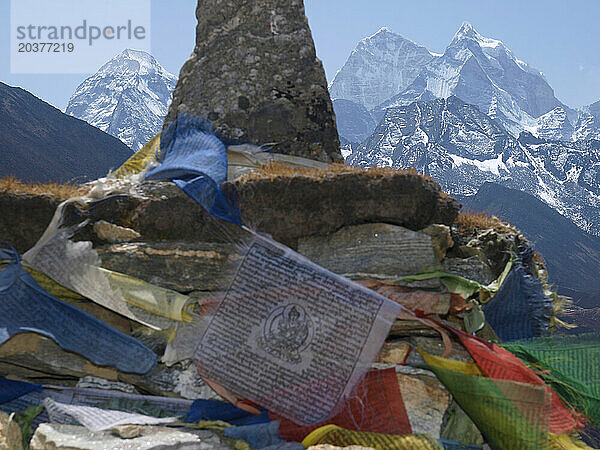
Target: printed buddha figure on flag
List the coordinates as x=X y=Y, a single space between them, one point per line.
x=286 y=333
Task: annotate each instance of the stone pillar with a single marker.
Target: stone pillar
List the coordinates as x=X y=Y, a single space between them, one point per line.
x=254 y=72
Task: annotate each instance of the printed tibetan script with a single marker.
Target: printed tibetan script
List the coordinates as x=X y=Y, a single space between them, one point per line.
x=292 y=336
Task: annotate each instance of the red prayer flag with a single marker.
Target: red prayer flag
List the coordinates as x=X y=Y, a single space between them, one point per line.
x=377 y=406
x=499 y=363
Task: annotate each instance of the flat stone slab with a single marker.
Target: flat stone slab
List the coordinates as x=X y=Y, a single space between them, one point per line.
x=72 y=437
x=181 y=266
x=374 y=250
x=288 y=207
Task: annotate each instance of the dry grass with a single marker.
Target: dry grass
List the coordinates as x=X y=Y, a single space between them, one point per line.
x=13 y=185
x=274 y=170
x=469 y=220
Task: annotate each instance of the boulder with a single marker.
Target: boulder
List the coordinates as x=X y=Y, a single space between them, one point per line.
x=255 y=74
x=24 y=218
x=320 y=202
x=10 y=433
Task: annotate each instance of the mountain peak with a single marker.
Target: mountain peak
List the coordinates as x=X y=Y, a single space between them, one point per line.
x=137 y=61
x=467 y=31
x=128 y=97
x=386 y=35
x=383 y=31
x=138 y=55
x=466 y=28
x=383 y=64
x=382 y=34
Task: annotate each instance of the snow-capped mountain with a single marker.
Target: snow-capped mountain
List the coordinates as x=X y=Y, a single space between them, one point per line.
x=462 y=148
x=379 y=67
x=483 y=72
x=479 y=70
x=128 y=97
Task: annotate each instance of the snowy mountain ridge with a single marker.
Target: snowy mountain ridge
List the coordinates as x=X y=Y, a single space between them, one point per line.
x=462 y=148
x=128 y=97
x=479 y=70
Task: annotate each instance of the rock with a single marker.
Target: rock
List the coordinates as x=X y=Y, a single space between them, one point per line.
x=459 y=427
x=157 y=211
x=472 y=268
x=441 y=238
x=127 y=431
x=434 y=346
x=10 y=433
x=181 y=266
x=255 y=74
x=417 y=300
x=179 y=380
x=104 y=314
x=394 y=352
x=38 y=359
x=35 y=358
x=405 y=328
x=321 y=202
x=114 y=233
x=315 y=202
x=50 y=436
x=425 y=399
x=496 y=246
x=24 y=218
x=374 y=250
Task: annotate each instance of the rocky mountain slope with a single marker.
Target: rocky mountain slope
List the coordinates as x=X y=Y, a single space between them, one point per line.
x=572 y=256
x=354 y=121
x=588 y=123
x=128 y=97
x=462 y=148
x=40 y=143
x=386 y=71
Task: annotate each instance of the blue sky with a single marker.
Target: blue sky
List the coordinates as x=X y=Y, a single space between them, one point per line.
x=560 y=38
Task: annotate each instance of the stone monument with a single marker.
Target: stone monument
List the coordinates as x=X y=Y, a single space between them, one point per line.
x=255 y=74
